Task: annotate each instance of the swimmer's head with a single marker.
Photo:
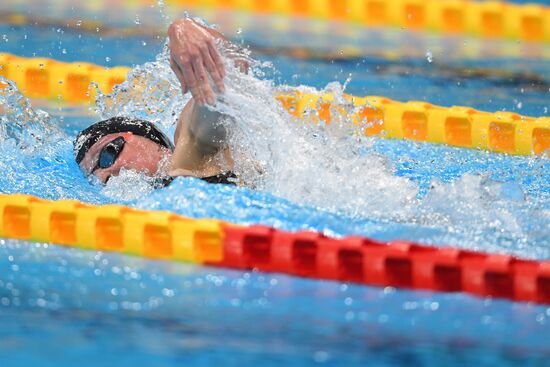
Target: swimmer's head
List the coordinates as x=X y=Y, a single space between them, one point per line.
x=108 y=146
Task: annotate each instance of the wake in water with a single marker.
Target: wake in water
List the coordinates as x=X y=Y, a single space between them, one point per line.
x=334 y=170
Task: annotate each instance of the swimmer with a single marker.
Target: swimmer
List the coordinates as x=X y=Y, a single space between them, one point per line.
x=200 y=149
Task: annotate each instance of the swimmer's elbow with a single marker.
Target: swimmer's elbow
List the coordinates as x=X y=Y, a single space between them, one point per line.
x=210 y=140
x=208 y=130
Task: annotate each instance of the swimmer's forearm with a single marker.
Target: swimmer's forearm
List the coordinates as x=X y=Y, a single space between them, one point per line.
x=207 y=129
x=200 y=140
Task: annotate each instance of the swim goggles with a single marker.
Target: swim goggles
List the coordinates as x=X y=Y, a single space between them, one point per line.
x=109 y=153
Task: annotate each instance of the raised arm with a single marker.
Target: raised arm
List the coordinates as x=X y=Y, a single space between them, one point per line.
x=199 y=136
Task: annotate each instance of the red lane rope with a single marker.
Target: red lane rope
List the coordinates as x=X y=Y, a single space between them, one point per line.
x=399 y=264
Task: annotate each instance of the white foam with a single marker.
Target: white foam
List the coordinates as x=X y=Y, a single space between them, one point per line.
x=127 y=186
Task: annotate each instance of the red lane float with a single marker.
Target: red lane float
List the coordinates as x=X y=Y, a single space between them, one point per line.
x=398 y=264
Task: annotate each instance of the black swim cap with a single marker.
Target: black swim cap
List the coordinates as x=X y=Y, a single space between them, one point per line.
x=91 y=135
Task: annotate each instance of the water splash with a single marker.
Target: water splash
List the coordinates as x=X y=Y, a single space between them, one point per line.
x=37 y=156
x=128 y=186
x=334 y=167
x=318 y=176
x=150 y=92
x=20 y=124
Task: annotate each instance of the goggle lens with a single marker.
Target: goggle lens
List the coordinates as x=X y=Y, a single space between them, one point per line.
x=110 y=153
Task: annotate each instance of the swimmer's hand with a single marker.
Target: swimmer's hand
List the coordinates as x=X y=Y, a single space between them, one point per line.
x=193 y=53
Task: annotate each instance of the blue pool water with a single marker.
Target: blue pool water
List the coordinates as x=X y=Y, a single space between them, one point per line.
x=63 y=306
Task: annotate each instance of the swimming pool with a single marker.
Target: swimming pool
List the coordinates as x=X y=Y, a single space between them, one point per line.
x=65 y=305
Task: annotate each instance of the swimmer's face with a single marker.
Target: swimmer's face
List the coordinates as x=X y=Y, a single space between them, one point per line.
x=123 y=150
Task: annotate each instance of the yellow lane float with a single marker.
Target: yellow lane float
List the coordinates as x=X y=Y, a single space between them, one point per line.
x=466 y=127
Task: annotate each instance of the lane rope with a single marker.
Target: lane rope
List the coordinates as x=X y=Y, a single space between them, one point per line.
x=486 y=19
x=461 y=41
x=167 y=236
x=459 y=126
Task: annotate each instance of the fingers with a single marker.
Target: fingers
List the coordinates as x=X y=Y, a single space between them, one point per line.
x=193 y=76
x=191 y=81
x=176 y=69
x=216 y=58
x=195 y=59
x=242 y=65
x=181 y=64
x=239 y=57
x=213 y=70
x=203 y=82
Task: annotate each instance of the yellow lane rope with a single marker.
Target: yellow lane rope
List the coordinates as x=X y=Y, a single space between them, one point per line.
x=490 y=19
x=153 y=234
x=278 y=26
x=421 y=121
x=487 y=19
x=51 y=79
